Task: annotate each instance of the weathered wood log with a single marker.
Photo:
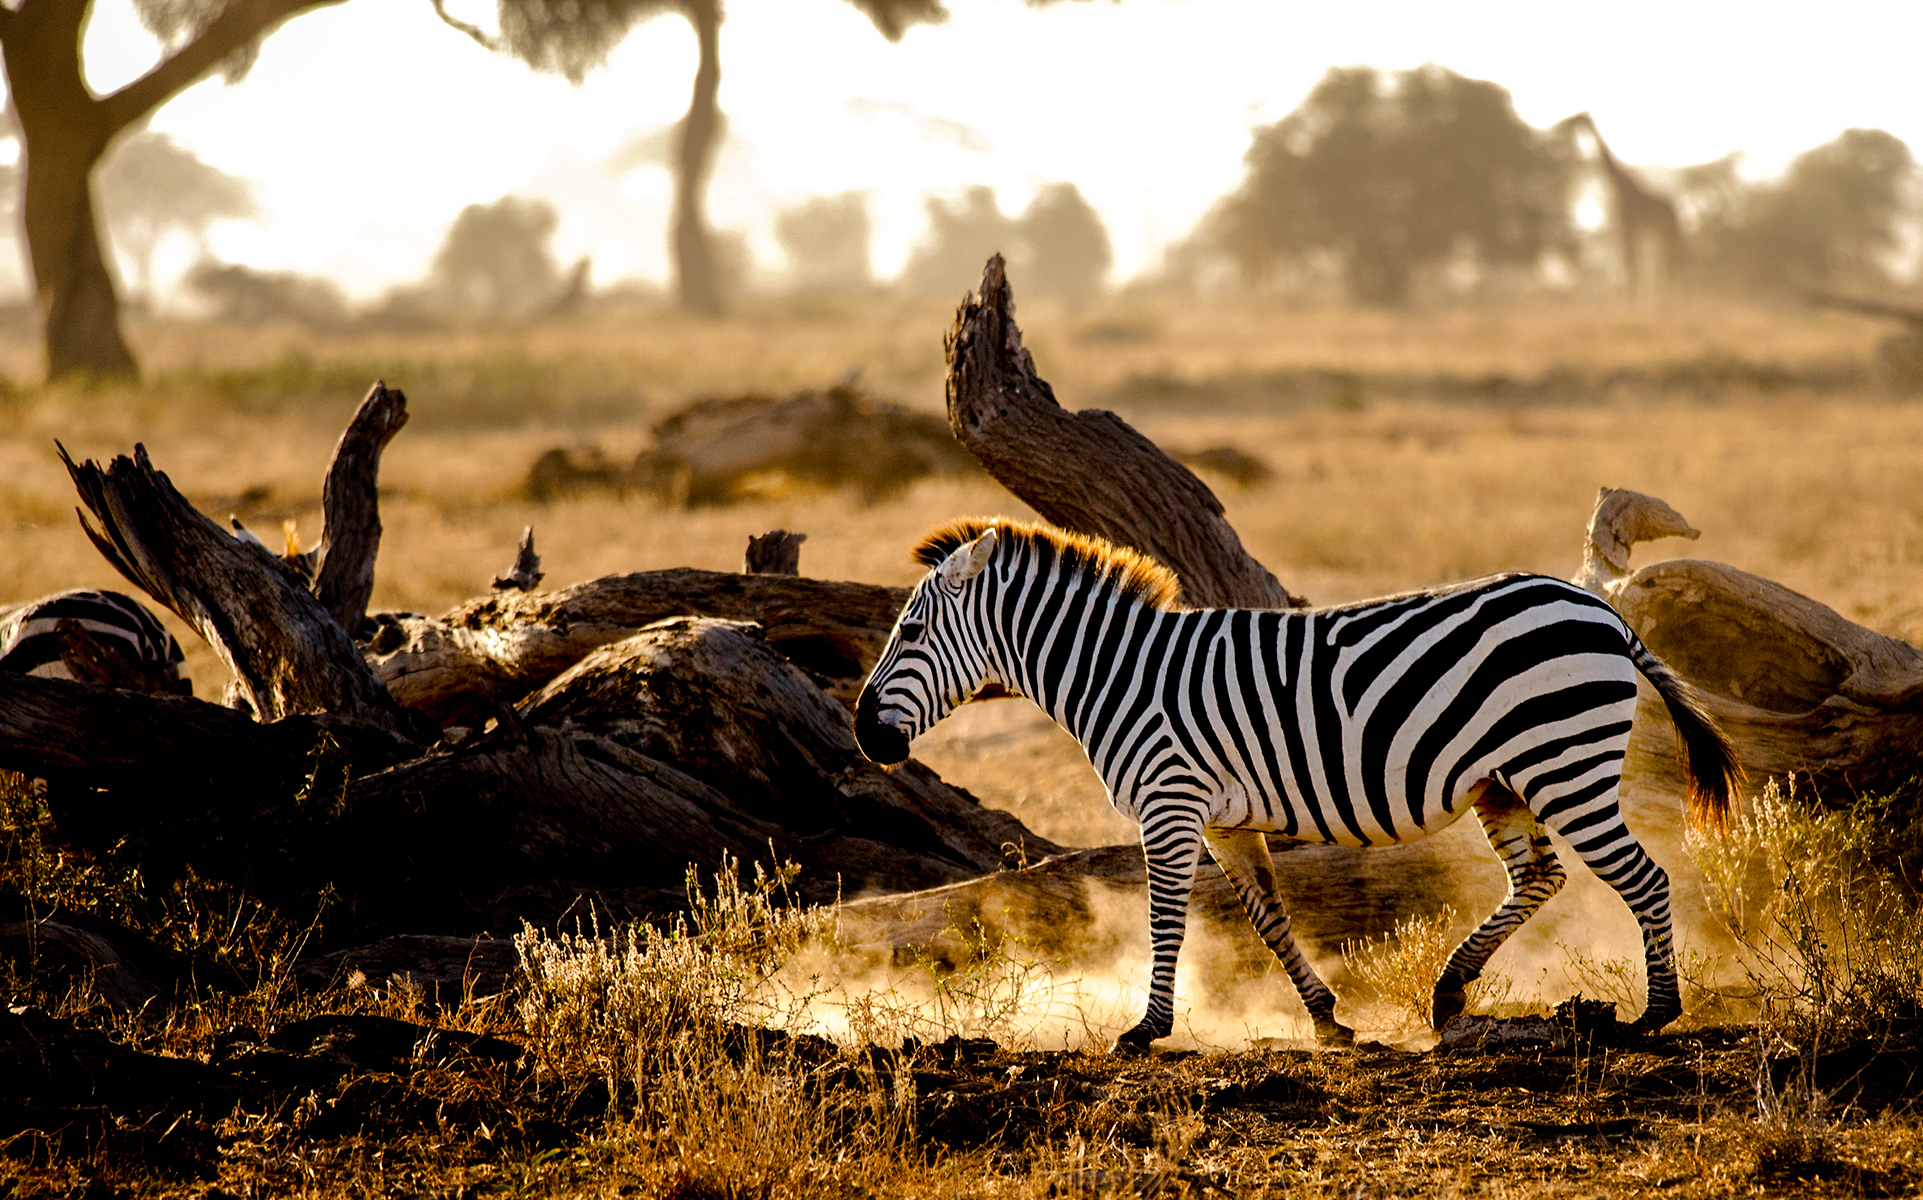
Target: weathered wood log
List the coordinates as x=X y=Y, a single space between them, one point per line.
x=573 y=802
x=350 y=505
x=776 y=552
x=777 y=746
x=525 y=575
x=288 y=653
x=1799 y=688
x=461 y=668
x=1089 y=471
x=124 y=967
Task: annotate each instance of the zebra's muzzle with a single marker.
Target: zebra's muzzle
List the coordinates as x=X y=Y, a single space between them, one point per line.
x=880 y=742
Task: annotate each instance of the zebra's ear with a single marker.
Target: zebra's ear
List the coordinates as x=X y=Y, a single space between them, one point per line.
x=968 y=560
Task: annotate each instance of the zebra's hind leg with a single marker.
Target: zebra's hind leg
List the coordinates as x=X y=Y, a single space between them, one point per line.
x=1172 y=846
x=1534 y=876
x=1244 y=858
x=1592 y=820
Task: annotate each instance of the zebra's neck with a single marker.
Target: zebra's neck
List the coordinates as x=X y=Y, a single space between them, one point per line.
x=1075 y=645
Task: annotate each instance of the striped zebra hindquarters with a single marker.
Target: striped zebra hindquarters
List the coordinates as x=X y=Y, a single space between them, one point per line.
x=95 y=637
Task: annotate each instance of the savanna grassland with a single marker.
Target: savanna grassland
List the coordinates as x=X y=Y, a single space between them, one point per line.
x=1403 y=449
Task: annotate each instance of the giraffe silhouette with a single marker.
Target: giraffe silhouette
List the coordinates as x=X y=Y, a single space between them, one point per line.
x=1649 y=239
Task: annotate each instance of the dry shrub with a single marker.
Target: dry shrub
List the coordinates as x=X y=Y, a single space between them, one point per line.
x=1401 y=968
x=684 y=1025
x=1828 y=933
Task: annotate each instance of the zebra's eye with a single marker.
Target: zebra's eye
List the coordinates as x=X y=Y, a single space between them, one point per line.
x=911 y=631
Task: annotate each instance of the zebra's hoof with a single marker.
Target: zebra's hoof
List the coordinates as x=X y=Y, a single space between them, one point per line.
x=1448 y=1006
x=1651 y=1023
x=1135 y=1042
x=1331 y=1034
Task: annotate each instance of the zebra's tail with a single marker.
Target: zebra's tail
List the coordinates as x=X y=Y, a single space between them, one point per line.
x=1708 y=756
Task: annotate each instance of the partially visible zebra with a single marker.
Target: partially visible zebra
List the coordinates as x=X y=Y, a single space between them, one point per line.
x=1361 y=725
x=31 y=642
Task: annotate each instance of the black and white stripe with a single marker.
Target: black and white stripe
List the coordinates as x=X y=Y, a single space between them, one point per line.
x=30 y=643
x=1362 y=725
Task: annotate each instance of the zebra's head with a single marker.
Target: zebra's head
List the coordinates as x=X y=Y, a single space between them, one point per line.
x=935 y=658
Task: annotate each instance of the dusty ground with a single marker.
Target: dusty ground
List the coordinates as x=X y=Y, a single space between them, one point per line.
x=1571 y=1115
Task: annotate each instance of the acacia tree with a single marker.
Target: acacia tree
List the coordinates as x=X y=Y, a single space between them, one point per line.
x=1838 y=216
x=1391 y=174
x=150 y=186
x=571 y=37
x=66 y=128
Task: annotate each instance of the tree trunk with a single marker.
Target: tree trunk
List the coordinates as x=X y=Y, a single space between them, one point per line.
x=65 y=135
x=461 y=668
x=66 y=130
x=350 y=505
x=288 y=654
x=1089 y=471
x=697 y=271
x=689 y=744
x=1798 y=687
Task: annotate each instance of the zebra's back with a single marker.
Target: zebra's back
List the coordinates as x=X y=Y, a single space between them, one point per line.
x=1368 y=723
x=30 y=643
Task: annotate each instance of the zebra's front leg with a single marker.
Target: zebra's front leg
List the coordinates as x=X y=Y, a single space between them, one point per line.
x=1171 y=845
x=1243 y=855
x=1534 y=876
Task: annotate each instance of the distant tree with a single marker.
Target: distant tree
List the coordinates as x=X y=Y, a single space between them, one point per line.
x=826 y=238
x=66 y=128
x=1067 y=245
x=572 y=37
x=241 y=295
x=496 y=260
x=1389 y=175
x=961 y=236
x=150 y=186
x=1837 y=216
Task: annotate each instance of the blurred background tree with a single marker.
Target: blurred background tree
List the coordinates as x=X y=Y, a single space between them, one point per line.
x=151 y=186
x=1389 y=175
x=1068 y=251
x=66 y=128
x=497 y=260
x=1836 y=218
x=571 y=37
x=962 y=233
x=826 y=239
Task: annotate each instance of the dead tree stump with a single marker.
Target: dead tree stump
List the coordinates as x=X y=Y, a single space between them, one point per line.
x=1089 y=471
x=1801 y=689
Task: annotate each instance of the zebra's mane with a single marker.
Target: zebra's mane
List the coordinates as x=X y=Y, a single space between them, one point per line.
x=1128 y=571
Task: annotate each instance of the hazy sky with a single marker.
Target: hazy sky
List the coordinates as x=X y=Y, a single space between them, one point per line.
x=368 y=126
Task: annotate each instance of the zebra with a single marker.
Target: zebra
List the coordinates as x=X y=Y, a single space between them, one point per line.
x=1359 y=725
x=31 y=641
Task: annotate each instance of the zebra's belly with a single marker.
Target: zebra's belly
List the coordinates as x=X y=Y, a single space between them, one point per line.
x=1321 y=822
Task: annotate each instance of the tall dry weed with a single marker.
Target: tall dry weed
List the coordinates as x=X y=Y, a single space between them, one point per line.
x=687 y=1026
x=1828 y=931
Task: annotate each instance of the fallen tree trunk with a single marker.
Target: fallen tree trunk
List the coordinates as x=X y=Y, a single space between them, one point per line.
x=461 y=668
x=1089 y=471
x=1798 y=687
x=691 y=743
x=288 y=654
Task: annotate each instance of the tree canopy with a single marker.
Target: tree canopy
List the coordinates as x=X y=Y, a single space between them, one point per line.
x=150 y=185
x=826 y=238
x=1067 y=244
x=1836 y=217
x=1390 y=174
